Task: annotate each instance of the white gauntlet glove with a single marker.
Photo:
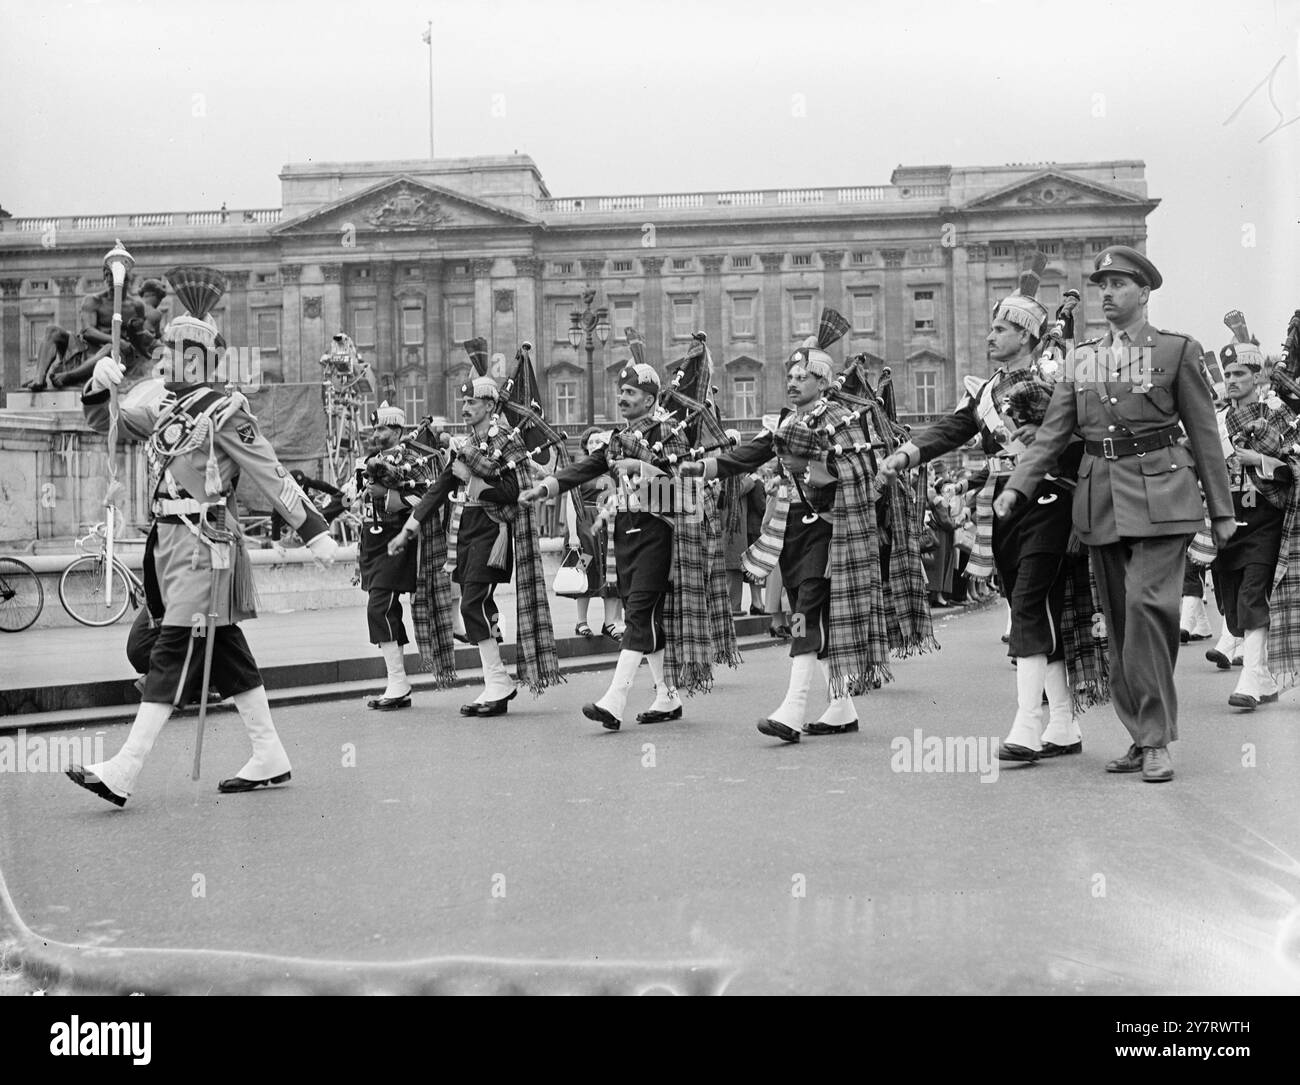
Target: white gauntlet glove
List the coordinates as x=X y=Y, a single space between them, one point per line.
x=323 y=548
x=108 y=374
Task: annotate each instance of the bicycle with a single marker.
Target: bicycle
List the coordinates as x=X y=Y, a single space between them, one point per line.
x=22 y=598
x=82 y=585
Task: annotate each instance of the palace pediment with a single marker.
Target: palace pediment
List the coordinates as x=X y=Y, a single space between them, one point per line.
x=403 y=205
x=1053 y=188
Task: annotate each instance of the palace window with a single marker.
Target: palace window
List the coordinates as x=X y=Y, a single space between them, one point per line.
x=363 y=327
x=682 y=264
x=864 y=312
x=414 y=398
x=744 y=397
x=999 y=252
x=266 y=278
x=801 y=314
x=739 y=263
x=362 y=273
x=413 y=325
x=624 y=317
x=564 y=400
x=923 y=310
x=742 y=317
x=268 y=330
x=462 y=321
x=926 y=385
x=860 y=258
x=801 y=259
x=562 y=310
x=563 y=268
x=683 y=318
x=621 y=267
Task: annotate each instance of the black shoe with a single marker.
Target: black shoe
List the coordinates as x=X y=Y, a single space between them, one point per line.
x=460 y=637
x=1183 y=636
x=1051 y=749
x=1198 y=636
x=651 y=716
x=1009 y=751
x=1237 y=661
x=497 y=707
x=778 y=730
x=757 y=612
x=1219 y=659
x=390 y=704
x=237 y=783
x=602 y=716
x=470 y=709
x=93 y=783
x=819 y=728
x=1130 y=762
x=1006 y=638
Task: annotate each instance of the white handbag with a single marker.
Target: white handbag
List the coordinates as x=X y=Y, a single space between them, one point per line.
x=571 y=578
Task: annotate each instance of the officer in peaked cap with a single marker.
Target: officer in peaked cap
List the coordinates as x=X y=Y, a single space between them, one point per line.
x=1122 y=260
x=1151 y=444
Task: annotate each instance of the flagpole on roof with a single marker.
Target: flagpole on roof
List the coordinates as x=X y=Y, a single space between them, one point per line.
x=428 y=40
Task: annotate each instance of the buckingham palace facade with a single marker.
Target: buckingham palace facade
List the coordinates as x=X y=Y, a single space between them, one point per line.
x=412 y=258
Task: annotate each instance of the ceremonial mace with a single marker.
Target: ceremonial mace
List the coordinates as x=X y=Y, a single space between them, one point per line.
x=119 y=262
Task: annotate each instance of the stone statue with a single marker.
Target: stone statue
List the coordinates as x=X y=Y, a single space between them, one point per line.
x=67 y=360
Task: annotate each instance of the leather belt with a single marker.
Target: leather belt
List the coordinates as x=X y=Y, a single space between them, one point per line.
x=1112 y=448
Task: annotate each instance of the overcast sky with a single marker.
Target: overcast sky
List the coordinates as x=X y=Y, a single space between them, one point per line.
x=139 y=105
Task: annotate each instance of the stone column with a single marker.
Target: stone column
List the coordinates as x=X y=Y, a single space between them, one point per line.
x=963 y=346
x=897 y=333
x=481 y=267
x=1077 y=270
x=712 y=301
x=69 y=302
x=833 y=289
x=435 y=338
x=977 y=310
x=772 y=348
x=653 y=302
x=237 y=311
x=333 y=313
x=291 y=322
x=386 y=360
x=11 y=335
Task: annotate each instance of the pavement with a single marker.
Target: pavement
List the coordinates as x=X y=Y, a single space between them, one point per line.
x=423 y=851
x=59 y=676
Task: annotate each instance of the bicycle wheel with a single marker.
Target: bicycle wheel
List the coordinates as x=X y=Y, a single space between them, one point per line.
x=21 y=595
x=81 y=591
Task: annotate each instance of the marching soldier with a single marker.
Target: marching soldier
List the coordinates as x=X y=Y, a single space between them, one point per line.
x=197 y=575
x=1137 y=503
x=1246 y=568
x=1030 y=550
x=393 y=483
x=830 y=558
x=644 y=533
x=490 y=535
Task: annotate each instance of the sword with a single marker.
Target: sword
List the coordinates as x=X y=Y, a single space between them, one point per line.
x=219 y=564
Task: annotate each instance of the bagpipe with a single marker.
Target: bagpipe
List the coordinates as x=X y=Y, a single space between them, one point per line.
x=689 y=399
x=1052 y=346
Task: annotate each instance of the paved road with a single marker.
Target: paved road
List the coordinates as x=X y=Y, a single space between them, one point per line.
x=818 y=867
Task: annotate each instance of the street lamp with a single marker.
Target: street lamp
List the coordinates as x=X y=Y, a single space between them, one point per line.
x=581 y=328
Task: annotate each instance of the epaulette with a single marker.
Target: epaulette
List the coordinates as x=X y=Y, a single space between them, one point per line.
x=1177 y=335
x=1090 y=342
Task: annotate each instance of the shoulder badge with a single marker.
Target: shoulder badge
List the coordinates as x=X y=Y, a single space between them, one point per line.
x=247 y=432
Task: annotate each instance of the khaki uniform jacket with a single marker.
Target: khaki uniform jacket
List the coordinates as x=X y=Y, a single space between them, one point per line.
x=1157 y=384
x=182 y=565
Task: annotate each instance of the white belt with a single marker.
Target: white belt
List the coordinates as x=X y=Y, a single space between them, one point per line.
x=183 y=506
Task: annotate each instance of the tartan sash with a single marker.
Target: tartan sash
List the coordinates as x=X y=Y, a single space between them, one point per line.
x=979 y=566
x=431 y=605
x=1284 y=604
x=761 y=557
